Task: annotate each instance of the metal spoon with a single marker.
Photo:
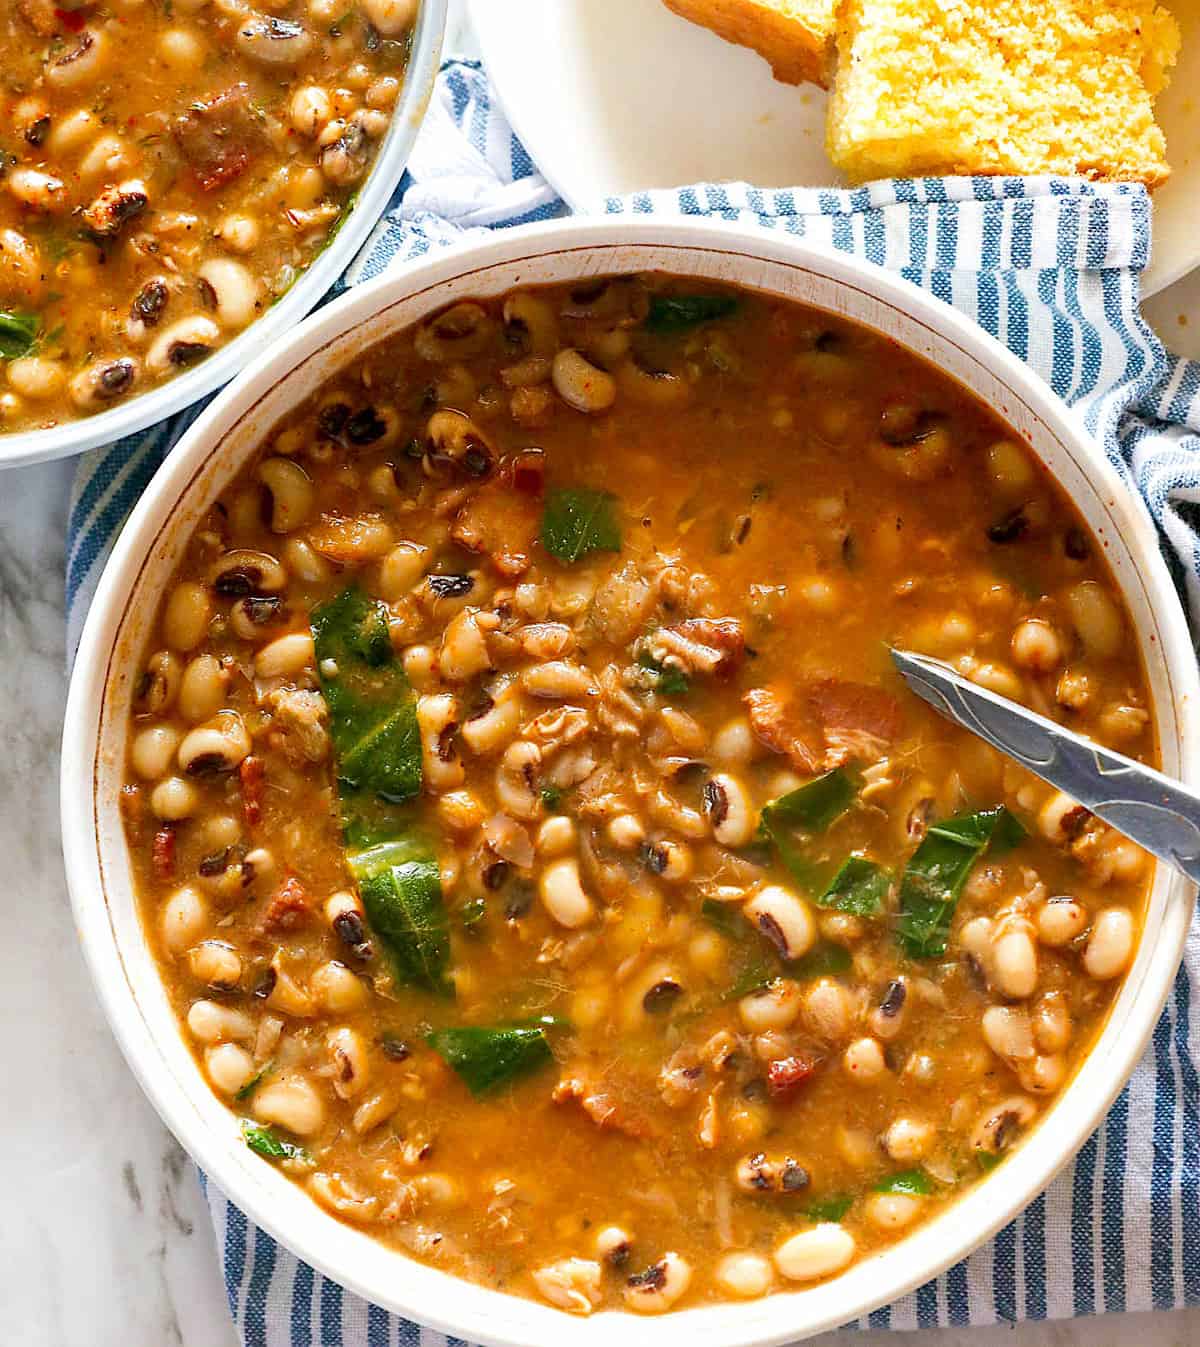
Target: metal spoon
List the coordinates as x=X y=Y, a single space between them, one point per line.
x=1157 y=813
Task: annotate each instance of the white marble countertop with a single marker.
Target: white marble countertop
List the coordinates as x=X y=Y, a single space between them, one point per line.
x=104 y=1238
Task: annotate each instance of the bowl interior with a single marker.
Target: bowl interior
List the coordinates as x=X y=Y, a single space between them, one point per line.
x=212 y=453
x=149 y=408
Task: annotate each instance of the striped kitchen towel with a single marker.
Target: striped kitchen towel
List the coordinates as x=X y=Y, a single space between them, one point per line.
x=1049 y=266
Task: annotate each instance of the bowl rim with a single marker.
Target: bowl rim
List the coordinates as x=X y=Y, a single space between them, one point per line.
x=145 y=410
x=479 y=1314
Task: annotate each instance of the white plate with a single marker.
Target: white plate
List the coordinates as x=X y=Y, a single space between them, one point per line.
x=613 y=96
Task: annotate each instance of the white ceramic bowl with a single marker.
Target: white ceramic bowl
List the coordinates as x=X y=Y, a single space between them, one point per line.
x=212 y=453
x=148 y=409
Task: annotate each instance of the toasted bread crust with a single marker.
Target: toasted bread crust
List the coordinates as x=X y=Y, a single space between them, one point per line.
x=795 y=38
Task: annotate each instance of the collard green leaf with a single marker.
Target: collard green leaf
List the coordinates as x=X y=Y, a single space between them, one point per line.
x=486 y=1058
x=860 y=886
x=666 y=680
x=18 y=334
x=913 y=1182
x=372 y=712
x=937 y=871
x=830 y=1208
x=676 y=313
x=401 y=890
x=824 y=958
x=578 y=520
x=255 y=1081
x=791 y=819
x=269 y=1144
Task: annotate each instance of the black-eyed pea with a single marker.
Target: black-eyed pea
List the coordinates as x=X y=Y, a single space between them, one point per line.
x=556 y=837
x=563 y=895
x=734 y=743
x=732 y=816
x=706 y=953
x=351 y=1064
x=420 y=664
x=888 y=1016
x=287 y=995
x=558 y=680
x=1060 y=919
x=816 y=1252
x=391 y=17
x=1037 y=646
x=828 y=1012
x=864 y=1061
x=184 y=919
x=626 y=832
x=659 y=1286
x=35 y=377
x=438 y=1190
x=950 y=634
x=573 y=1284
x=1013 y=967
x=656 y=388
x=437 y=720
x=590 y=1004
x=174 y=799
x=218 y=745
x=999 y=1125
x=202 y=688
x=291 y=491
x=1060 y=817
x=464 y=650
x=1096 y=618
x=460 y=812
x=997 y=678
x=1126 y=861
x=374 y=1111
x=612 y=1245
x=1008 y=1032
x=1009 y=468
x=1042 y=1074
x=239 y=232
x=1110 y=945
x=744 y=1274
x=383 y=92
x=152 y=752
x=286 y=656
x=273 y=41
x=182 y=343
x=1121 y=723
x=530 y=321
x=211 y=1022
x=290 y=1102
x=672 y=861
x=1051 y=1019
x=310 y=110
x=336 y=989
x=784 y=918
x=304 y=562
x=580 y=384
x=842 y=928
x=339 y=1195
x=229 y=1067
x=908 y=1140
x=402 y=569
x=892 y=1211
x=186 y=616
x=215 y=963
x=1074 y=690
x=775 y=1006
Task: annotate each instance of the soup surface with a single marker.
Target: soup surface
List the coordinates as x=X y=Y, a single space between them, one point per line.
x=542 y=855
x=169 y=169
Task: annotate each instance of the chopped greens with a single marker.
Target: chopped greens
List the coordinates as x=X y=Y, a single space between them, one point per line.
x=726 y=917
x=912 y=1182
x=372 y=713
x=269 y=1144
x=578 y=520
x=808 y=809
x=552 y=798
x=830 y=1208
x=18 y=334
x=666 y=680
x=938 y=870
x=987 y=1160
x=255 y=1081
x=373 y=723
x=486 y=1058
x=675 y=313
x=860 y=887
x=472 y=913
x=401 y=890
x=824 y=958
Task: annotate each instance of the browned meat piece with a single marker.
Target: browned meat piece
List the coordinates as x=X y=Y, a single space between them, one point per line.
x=785 y=1075
x=289 y=909
x=601 y=1106
x=220 y=136
x=299 y=725
x=250 y=777
x=831 y=723
x=501 y=522
x=701 y=645
x=776 y=721
x=859 y=721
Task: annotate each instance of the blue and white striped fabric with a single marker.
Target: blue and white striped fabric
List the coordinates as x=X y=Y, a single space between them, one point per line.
x=1051 y=267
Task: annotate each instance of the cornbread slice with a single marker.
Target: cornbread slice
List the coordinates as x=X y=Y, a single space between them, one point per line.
x=794 y=36
x=1000 y=86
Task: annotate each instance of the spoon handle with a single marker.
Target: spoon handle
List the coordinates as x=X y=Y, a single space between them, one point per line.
x=1159 y=814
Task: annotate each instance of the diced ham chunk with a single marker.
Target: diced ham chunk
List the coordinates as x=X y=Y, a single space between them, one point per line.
x=830 y=723
x=220 y=136
x=786 y=1075
x=701 y=645
x=600 y=1105
x=290 y=908
x=501 y=522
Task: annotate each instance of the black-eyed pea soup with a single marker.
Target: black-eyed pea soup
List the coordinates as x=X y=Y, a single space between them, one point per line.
x=169 y=167
x=543 y=859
